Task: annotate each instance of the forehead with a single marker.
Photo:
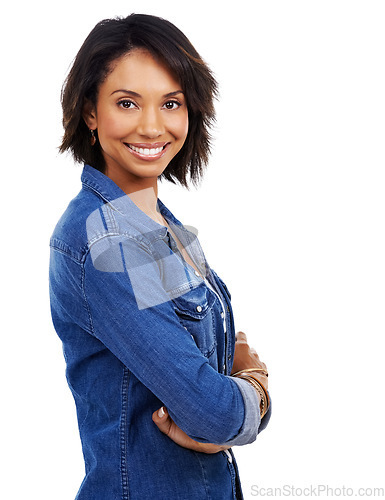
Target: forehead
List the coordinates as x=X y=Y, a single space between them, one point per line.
x=140 y=72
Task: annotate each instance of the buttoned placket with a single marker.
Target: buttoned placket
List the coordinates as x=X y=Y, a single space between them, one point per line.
x=228 y=321
x=199 y=308
x=174 y=247
x=223 y=316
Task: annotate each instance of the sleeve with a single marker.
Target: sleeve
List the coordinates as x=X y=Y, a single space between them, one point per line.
x=131 y=313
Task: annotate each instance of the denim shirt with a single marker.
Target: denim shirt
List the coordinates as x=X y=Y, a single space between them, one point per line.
x=141 y=329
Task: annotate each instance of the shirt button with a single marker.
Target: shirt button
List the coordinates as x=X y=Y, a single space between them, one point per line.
x=222 y=314
x=199 y=308
x=196 y=273
x=224 y=369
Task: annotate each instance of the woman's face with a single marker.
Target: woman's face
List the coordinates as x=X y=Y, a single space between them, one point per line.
x=141 y=118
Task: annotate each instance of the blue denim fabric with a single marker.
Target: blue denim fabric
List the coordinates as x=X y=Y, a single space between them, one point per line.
x=140 y=330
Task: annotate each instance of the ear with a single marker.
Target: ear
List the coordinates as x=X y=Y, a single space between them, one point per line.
x=89 y=114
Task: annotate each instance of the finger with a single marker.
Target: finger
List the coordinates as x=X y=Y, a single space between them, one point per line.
x=162 y=419
x=255 y=354
x=160 y=415
x=241 y=337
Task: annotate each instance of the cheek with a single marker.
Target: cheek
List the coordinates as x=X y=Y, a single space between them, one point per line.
x=112 y=126
x=181 y=126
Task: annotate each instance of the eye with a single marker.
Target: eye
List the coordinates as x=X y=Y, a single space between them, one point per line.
x=172 y=105
x=126 y=104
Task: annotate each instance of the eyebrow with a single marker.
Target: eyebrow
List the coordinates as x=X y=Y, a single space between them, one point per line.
x=135 y=94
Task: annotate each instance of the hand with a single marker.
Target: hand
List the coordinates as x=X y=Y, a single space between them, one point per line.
x=246 y=358
x=166 y=425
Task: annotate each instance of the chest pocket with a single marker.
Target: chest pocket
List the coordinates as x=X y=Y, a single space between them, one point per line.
x=195 y=311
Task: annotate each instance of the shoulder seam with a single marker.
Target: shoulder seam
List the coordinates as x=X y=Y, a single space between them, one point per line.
x=62 y=247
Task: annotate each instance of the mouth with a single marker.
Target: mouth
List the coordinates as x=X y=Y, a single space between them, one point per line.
x=148 y=151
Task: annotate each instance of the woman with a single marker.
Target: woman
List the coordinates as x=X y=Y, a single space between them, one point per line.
x=146 y=324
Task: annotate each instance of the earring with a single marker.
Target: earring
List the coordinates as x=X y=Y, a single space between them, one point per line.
x=93 y=138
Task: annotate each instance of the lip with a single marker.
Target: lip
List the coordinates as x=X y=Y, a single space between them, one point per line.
x=147 y=145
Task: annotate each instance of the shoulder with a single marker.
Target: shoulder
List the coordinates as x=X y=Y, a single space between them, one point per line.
x=70 y=233
x=91 y=222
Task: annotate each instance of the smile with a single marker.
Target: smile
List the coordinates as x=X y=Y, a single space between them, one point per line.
x=148 y=151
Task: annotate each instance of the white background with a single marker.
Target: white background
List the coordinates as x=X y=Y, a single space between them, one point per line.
x=290 y=214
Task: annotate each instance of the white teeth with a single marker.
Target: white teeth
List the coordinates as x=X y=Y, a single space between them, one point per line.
x=146 y=151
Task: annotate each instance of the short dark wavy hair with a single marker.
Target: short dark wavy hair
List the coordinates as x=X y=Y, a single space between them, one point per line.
x=108 y=41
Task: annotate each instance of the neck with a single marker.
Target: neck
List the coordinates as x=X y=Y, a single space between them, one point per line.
x=141 y=190
x=146 y=199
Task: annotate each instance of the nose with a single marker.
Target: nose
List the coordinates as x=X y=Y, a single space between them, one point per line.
x=151 y=123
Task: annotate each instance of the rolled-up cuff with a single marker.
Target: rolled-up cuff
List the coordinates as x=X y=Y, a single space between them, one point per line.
x=249 y=429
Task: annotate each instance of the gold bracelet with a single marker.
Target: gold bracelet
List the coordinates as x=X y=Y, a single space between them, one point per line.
x=247 y=370
x=260 y=389
x=262 y=406
x=263 y=388
x=264 y=403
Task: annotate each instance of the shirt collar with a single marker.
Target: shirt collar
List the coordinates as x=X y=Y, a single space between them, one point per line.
x=112 y=194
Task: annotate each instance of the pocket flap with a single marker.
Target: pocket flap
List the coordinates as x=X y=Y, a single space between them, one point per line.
x=195 y=303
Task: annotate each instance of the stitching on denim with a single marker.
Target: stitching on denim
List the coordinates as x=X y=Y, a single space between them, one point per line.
x=233 y=474
x=214 y=347
x=104 y=221
x=82 y=280
x=205 y=482
x=99 y=237
x=208 y=305
x=228 y=318
x=80 y=425
x=211 y=351
x=93 y=187
x=224 y=286
x=64 y=248
x=238 y=485
x=112 y=217
x=63 y=252
x=185 y=287
x=82 y=273
x=122 y=432
x=185 y=317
